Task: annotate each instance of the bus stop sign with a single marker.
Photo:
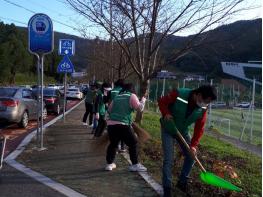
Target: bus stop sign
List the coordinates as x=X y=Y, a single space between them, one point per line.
x=40 y=34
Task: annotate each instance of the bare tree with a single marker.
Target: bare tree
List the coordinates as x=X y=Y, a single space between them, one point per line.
x=140 y=27
x=100 y=65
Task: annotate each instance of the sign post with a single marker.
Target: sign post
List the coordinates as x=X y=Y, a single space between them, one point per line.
x=66 y=48
x=40 y=43
x=65 y=66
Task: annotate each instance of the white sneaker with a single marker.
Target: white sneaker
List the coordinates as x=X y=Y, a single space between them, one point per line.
x=137 y=168
x=110 y=167
x=91 y=125
x=84 y=123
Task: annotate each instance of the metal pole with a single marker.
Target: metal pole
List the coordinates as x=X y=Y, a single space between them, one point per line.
x=42 y=103
x=38 y=106
x=184 y=83
x=163 y=86
x=65 y=99
x=210 y=108
x=252 y=111
x=156 y=91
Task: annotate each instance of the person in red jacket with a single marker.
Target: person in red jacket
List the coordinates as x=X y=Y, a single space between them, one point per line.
x=184 y=107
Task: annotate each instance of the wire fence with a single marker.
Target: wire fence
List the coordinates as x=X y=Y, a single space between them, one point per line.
x=231 y=115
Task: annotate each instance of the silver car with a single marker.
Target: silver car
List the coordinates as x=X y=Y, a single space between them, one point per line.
x=18 y=105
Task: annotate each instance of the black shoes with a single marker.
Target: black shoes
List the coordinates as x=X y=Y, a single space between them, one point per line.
x=183 y=187
x=167 y=192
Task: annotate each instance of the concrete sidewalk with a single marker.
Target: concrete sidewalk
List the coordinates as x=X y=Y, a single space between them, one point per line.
x=72 y=161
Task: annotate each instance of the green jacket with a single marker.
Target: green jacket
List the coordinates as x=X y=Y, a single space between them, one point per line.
x=114 y=92
x=121 y=109
x=179 y=109
x=100 y=106
x=90 y=96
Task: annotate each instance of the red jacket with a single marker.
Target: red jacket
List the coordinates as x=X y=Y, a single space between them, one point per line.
x=199 y=128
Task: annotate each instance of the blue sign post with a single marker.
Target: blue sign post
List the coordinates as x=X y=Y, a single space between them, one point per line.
x=66 y=48
x=40 y=34
x=40 y=42
x=65 y=66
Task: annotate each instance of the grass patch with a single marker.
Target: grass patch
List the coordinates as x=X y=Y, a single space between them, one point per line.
x=212 y=151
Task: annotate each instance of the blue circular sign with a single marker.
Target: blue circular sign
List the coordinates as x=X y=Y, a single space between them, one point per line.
x=40 y=34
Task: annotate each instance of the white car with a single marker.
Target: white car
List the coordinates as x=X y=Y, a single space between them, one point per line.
x=243 y=105
x=74 y=93
x=218 y=104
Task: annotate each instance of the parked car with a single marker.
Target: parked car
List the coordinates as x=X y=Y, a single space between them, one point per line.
x=53 y=86
x=18 y=105
x=243 y=105
x=218 y=104
x=74 y=93
x=53 y=100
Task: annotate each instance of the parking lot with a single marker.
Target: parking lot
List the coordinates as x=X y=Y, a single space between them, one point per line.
x=23 y=100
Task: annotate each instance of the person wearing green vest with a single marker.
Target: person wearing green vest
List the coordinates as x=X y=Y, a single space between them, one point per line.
x=184 y=107
x=119 y=127
x=101 y=108
x=118 y=86
x=89 y=101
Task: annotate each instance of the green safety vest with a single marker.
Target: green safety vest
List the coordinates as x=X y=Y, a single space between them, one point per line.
x=179 y=109
x=90 y=96
x=114 y=92
x=121 y=109
x=102 y=107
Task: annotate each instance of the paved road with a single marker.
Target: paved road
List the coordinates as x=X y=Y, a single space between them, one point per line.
x=74 y=159
x=15 y=184
x=16 y=134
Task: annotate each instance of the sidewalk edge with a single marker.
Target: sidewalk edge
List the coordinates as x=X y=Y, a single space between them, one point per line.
x=145 y=175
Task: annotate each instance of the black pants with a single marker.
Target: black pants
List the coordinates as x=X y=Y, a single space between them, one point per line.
x=89 y=111
x=117 y=133
x=101 y=126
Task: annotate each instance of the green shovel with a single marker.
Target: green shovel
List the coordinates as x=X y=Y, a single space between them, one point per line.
x=206 y=177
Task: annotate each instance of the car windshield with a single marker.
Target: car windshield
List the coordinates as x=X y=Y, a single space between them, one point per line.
x=49 y=92
x=73 y=90
x=7 y=92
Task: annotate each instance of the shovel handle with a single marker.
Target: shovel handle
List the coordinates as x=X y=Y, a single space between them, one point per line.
x=190 y=151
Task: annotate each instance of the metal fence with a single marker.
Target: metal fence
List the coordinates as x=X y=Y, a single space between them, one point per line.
x=243 y=122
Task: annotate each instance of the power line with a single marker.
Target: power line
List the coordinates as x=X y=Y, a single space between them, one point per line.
x=19 y=6
x=13 y=20
x=22 y=7
x=31 y=11
x=52 y=10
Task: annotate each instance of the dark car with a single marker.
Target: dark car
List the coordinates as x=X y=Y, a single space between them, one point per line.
x=18 y=105
x=53 y=100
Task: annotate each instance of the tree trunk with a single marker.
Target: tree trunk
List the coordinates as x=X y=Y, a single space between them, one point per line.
x=143 y=89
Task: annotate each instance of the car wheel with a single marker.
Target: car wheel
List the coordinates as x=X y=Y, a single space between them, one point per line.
x=44 y=113
x=58 y=110
x=24 y=120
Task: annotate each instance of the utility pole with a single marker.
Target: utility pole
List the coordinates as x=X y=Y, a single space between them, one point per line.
x=252 y=110
x=111 y=44
x=210 y=108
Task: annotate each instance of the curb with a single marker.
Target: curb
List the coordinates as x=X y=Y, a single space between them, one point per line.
x=10 y=160
x=145 y=175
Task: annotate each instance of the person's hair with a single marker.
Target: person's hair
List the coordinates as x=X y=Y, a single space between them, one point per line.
x=119 y=83
x=105 y=85
x=207 y=91
x=128 y=87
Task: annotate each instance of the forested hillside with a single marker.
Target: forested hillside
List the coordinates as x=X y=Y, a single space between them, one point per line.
x=239 y=41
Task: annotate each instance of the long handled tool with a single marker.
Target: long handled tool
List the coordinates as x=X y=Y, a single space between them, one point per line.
x=208 y=177
x=2 y=150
